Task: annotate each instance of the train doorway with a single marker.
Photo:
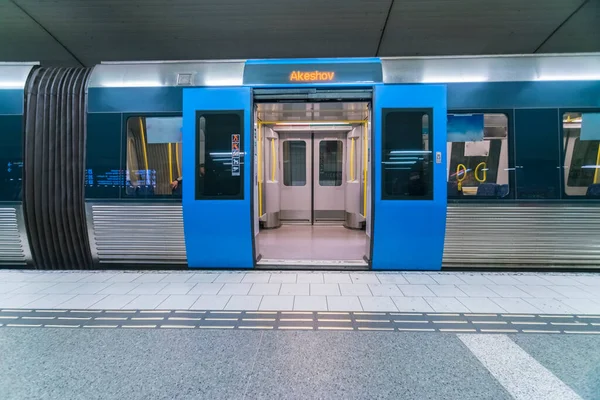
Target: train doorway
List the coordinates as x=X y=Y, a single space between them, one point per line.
x=312 y=185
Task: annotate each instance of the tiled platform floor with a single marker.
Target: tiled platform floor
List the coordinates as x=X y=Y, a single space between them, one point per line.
x=541 y=293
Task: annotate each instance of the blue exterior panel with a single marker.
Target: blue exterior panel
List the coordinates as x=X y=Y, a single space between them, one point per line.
x=409 y=234
x=11 y=101
x=218 y=233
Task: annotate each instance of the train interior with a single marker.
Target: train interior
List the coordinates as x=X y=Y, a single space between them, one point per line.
x=312 y=183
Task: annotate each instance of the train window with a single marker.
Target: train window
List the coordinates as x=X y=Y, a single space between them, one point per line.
x=581 y=147
x=220 y=155
x=11 y=158
x=294 y=163
x=407 y=156
x=154 y=157
x=477 y=156
x=331 y=162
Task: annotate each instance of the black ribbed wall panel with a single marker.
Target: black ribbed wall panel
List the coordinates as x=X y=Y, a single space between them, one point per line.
x=54 y=168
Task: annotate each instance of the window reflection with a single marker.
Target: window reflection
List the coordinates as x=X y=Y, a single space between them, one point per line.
x=581 y=146
x=331 y=161
x=478 y=155
x=407 y=170
x=154 y=154
x=294 y=163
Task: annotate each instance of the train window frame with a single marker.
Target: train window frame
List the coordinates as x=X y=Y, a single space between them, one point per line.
x=563 y=150
x=509 y=114
x=241 y=113
x=429 y=111
x=123 y=190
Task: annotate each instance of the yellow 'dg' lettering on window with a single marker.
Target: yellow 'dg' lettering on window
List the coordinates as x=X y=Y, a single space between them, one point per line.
x=313 y=76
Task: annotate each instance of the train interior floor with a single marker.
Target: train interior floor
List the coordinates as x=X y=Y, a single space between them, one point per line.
x=306 y=243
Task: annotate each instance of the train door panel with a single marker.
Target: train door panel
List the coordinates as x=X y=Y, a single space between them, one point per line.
x=218 y=142
x=295 y=150
x=410 y=176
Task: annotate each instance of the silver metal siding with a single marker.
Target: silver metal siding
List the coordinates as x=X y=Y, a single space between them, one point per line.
x=522 y=235
x=150 y=234
x=14 y=248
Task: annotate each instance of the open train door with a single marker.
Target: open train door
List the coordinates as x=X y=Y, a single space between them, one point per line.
x=217 y=139
x=410 y=177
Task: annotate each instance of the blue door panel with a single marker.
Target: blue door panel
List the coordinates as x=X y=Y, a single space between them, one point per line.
x=217 y=232
x=409 y=234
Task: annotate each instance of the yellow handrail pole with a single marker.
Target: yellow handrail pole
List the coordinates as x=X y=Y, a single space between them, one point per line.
x=259 y=171
x=177 y=159
x=365 y=167
x=597 y=165
x=458 y=178
x=352 y=161
x=481 y=164
x=144 y=149
x=170 y=164
x=273 y=160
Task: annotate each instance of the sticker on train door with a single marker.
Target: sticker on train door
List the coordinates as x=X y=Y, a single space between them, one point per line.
x=235 y=154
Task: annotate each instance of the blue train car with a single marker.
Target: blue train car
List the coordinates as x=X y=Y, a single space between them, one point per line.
x=392 y=163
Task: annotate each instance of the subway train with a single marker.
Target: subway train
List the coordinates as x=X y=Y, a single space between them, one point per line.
x=418 y=163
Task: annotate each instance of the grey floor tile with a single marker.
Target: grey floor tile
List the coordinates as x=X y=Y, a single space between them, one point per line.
x=277 y=303
x=282 y=277
x=99 y=277
x=43 y=276
x=364 y=278
x=49 y=301
x=539 y=291
x=310 y=278
x=178 y=302
x=515 y=305
x=532 y=280
x=124 y=277
x=119 y=288
x=90 y=288
x=551 y=306
x=66 y=277
x=19 y=276
x=336 y=277
x=561 y=280
x=355 y=289
x=476 y=291
x=324 y=289
x=210 y=302
x=344 y=303
x=148 y=288
x=573 y=292
x=61 y=288
x=182 y=277
x=310 y=303
x=177 y=288
x=113 y=302
x=419 y=279
x=385 y=290
x=33 y=288
x=447 y=278
x=446 y=290
x=146 y=302
x=587 y=279
x=481 y=305
x=261 y=289
x=583 y=306
x=502 y=279
x=233 y=277
x=256 y=277
x=81 y=301
x=201 y=277
x=206 y=288
x=446 y=304
x=243 y=303
x=380 y=303
x=412 y=304
x=150 y=277
x=7 y=287
x=294 y=289
x=415 y=290
x=392 y=277
x=235 y=289
x=19 y=300
x=475 y=279
x=508 y=291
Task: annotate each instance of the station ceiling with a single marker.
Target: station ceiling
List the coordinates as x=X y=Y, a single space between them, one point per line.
x=76 y=32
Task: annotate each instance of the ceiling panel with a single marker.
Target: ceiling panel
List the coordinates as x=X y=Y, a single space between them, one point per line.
x=461 y=27
x=581 y=33
x=97 y=30
x=21 y=39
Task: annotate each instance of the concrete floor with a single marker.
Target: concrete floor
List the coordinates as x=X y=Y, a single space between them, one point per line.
x=312 y=242
x=51 y=363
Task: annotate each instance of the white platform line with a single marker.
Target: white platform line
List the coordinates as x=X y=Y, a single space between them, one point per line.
x=520 y=374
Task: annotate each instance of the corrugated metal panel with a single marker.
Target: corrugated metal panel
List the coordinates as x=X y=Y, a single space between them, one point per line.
x=150 y=234
x=523 y=235
x=13 y=246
